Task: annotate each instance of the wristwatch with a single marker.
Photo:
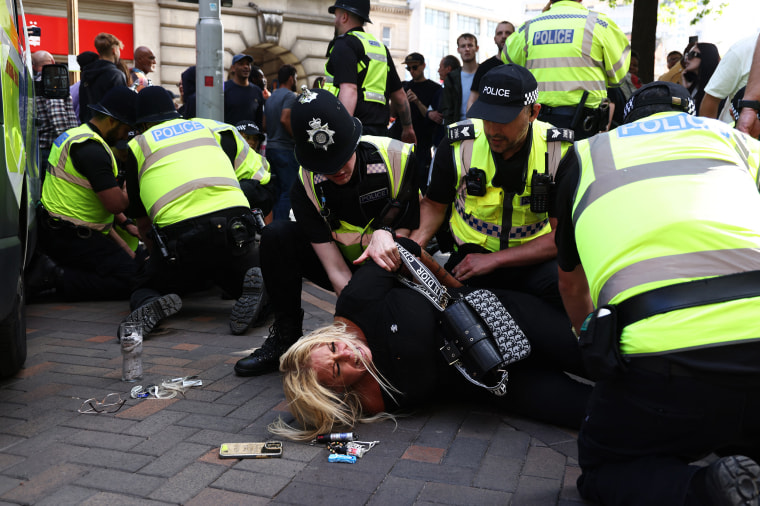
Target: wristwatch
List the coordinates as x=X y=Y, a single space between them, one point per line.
x=389 y=230
x=752 y=104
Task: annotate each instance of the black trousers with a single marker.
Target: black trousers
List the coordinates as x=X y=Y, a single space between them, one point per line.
x=286 y=258
x=642 y=430
x=204 y=257
x=540 y=280
x=94 y=266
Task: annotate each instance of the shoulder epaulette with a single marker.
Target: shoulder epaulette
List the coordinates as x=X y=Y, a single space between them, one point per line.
x=462 y=131
x=560 y=134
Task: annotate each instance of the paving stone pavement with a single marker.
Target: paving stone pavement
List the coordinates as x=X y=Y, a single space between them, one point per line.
x=166 y=451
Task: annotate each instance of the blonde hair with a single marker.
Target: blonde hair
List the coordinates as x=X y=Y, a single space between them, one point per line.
x=315 y=407
x=105 y=41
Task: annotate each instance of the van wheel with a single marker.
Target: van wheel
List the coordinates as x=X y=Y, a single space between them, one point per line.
x=13 y=334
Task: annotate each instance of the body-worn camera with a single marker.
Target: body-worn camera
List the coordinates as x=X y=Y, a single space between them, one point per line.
x=540 y=184
x=476 y=182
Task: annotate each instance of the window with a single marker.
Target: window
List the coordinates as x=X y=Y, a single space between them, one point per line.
x=387 y=36
x=468 y=24
x=436 y=43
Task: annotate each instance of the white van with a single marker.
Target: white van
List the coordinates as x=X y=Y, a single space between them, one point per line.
x=19 y=182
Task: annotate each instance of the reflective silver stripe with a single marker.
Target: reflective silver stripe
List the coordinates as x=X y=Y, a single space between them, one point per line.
x=59 y=170
x=371 y=95
x=618 y=65
x=378 y=57
x=588 y=33
x=153 y=157
x=526 y=27
x=607 y=178
x=699 y=264
x=572 y=85
x=240 y=158
x=100 y=227
x=562 y=61
x=329 y=79
x=188 y=187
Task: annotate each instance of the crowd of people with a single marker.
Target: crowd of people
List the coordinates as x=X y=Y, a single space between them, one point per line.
x=579 y=202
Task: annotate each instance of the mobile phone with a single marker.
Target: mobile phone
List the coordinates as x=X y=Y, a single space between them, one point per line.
x=268 y=450
x=693 y=40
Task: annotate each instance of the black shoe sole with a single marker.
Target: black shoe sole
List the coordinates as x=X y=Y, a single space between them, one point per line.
x=734 y=480
x=247 y=308
x=152 y=313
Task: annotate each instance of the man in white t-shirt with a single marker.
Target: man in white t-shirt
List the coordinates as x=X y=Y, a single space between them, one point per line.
x=730 y=75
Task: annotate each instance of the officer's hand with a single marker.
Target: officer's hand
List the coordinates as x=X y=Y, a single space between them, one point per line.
x=411 y=96
x=474 y=264
x=382 y=249
x=748 y=122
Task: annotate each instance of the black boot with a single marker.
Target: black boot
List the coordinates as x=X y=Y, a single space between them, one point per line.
x=285 y=331
x=43 y=277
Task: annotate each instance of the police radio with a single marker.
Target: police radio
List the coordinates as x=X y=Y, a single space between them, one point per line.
x=476 y=182
x=540 y=184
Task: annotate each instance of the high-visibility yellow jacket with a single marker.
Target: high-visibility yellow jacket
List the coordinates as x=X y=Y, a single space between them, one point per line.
x=479 y=220
x=569 y=50
x=248 y=163
x=183 y=172
x=67 y=194
x=375 y=61
x=665 y=200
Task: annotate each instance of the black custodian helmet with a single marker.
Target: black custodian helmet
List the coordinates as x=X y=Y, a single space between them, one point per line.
x=358 y=7
x=325 y=134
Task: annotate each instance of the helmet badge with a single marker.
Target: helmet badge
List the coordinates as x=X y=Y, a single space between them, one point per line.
x=306 y=95
x=320 y=135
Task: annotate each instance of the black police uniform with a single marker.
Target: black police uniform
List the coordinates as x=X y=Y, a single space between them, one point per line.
x=344 y=53
x=94 y=266
x=286 y=252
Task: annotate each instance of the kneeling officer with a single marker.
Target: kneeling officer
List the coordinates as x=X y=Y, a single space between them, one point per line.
x=187 y=200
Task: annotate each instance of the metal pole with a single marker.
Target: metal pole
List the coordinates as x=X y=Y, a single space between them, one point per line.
x=72 y=13
x=209 y=61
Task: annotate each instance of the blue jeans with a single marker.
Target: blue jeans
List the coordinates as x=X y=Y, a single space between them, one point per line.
x=283 y=164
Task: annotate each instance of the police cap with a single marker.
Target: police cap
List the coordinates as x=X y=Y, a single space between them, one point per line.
x=154 y=105
x=358 y=7
x=248 y=127
x=658 y=96
x=505 y=90
x=118 y=103
x=325 y=134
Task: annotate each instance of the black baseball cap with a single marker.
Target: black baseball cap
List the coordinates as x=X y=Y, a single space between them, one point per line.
x=504 y=92
x=414 y=58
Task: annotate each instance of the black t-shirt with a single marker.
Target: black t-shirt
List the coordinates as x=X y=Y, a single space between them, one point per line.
x=483 y=68
x=243 y=103
x=92 y=160
x=428 y=92
x=510 y=174
x=735 y=363
x=342 y=62
x=343 y=200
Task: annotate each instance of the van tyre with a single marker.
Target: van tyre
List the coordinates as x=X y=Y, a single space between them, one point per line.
x=13 y=334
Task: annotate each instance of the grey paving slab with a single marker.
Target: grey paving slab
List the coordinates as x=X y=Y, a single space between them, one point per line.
x=460 y=453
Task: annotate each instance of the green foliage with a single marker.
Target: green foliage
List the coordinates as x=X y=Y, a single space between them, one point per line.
x=698 y=9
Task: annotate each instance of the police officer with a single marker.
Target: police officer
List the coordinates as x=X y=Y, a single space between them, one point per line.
x=251 y=169
x=189 y=206
x=79 y=199
x=360 y=71
x=353 y=194
x=575 y=55
x=494 y=174
x=646 y=235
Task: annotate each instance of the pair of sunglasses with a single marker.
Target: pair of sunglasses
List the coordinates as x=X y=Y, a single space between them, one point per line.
x=412 y=67
x=693 y=54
